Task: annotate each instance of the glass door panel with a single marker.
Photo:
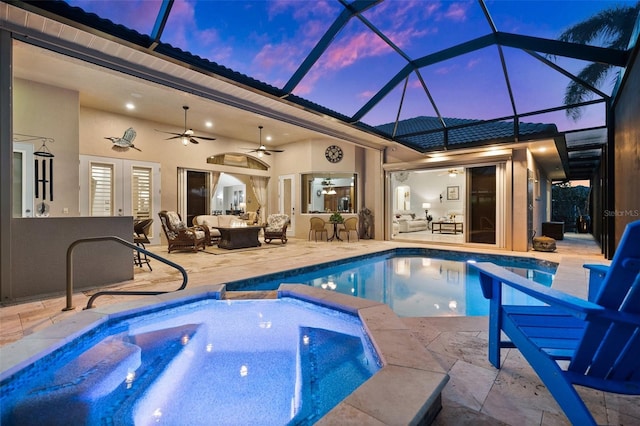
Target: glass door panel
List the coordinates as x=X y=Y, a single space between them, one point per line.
x=482 y=205
x=286 y=203
x=197 y=195
x=22 y=179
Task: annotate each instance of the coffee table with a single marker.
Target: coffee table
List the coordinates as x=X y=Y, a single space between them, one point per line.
x=446 y=227
x=236 y=237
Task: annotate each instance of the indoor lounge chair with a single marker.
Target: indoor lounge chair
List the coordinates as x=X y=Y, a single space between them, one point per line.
x=350 y=225
x=179 y=236
x=599 y=340
x=276 y=228
x=317 y=225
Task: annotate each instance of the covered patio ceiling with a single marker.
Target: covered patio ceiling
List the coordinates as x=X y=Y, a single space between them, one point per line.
x=378 y=66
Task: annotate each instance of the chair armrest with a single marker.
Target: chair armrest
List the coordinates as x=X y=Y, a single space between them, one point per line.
x=492 y=276
x=596 y=275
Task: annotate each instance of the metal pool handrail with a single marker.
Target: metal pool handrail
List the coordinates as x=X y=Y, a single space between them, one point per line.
x=73 y=245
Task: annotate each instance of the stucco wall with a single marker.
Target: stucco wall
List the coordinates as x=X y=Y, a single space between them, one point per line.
x=42 y=110
x=40 y=248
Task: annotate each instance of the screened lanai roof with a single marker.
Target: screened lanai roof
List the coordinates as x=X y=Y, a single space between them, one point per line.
x=382 y=65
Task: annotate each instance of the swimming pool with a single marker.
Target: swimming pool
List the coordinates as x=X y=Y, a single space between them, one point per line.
x=283 y=361
x=414 y=282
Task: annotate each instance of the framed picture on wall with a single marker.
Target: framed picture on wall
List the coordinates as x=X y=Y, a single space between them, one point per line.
x=453 y=192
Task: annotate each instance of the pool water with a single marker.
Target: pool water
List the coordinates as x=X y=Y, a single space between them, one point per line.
x=270 y=362
x=416 y=283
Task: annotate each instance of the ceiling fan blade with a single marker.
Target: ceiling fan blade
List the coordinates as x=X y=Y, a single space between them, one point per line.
x=266 y=152
x=173 y=137
x=275 y=150
x=192 y=140
x=169 y=133
x=206 y=138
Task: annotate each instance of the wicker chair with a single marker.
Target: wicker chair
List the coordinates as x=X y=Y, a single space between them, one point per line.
x=276 y=228
x=181 y=237
x=350 y=225
x=318 y=225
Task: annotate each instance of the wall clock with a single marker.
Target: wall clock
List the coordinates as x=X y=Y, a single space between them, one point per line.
x=333 y=154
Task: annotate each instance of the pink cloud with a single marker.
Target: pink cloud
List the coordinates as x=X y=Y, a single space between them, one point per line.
x=414 y=83
x=367 y=94
x=277 y=55
x=473 y=62
x=445 y=70
x=457 y=12
x=361 y=45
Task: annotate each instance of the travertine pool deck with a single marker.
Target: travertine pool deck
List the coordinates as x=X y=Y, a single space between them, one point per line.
x=476 y=394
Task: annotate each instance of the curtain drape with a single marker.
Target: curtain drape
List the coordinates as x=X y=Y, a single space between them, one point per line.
x=214 y=178
x=259 y=186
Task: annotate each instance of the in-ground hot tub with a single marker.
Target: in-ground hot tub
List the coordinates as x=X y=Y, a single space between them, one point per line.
x=196 y=359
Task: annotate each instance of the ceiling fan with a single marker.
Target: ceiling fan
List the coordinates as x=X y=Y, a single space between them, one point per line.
x=186 y=136
x=451 y=173
x=262 y=150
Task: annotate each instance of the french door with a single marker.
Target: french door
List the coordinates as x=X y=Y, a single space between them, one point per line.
x=117 y=187
x=22 y=179
x=286 y=204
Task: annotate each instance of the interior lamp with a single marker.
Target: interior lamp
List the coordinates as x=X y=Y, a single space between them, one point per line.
x=185 y=140
x=426 y=207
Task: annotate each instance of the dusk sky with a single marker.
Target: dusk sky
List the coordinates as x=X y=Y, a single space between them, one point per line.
x=268 y=40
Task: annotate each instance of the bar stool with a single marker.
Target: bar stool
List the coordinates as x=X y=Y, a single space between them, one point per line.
x=140 y=230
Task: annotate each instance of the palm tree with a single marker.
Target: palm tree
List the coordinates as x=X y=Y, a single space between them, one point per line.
x=611 y=28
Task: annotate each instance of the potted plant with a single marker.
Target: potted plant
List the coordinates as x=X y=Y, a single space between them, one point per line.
x=336 y=218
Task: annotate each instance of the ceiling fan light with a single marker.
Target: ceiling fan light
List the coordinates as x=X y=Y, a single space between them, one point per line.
x=260 y=153
x=185 y=141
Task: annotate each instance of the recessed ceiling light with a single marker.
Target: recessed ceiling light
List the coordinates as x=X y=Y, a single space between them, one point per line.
x=208 y=124
x=268 y=138
x=130 y=106
x=542 y=149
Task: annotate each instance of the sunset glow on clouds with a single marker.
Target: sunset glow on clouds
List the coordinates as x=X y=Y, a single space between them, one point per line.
x=269 y=40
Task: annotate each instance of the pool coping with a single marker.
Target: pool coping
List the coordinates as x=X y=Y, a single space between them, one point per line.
x=406 y=390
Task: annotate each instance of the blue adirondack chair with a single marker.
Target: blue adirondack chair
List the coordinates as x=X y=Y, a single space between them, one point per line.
x=600 y=338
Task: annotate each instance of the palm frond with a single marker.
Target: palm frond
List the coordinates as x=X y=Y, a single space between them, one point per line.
x=612 y=27
x=575 y=93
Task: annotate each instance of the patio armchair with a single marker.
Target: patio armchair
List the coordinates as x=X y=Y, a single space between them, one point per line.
x=276 y=228
x=181 y=237
x=350 y=225
x=596 y=340
x=317 y=224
